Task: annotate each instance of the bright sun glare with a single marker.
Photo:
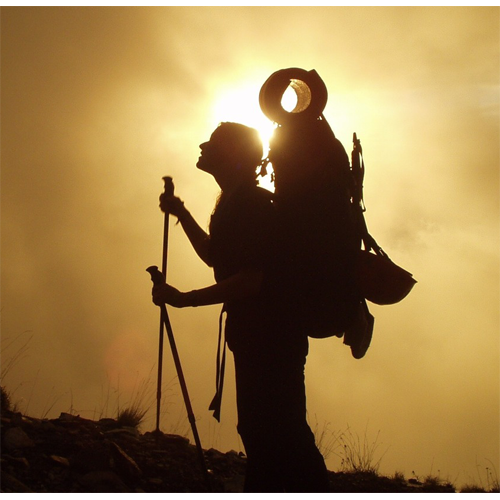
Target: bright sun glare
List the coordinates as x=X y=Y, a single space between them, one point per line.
x=241 y=105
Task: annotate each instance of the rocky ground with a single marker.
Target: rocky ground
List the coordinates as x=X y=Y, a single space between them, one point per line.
x=71 y=454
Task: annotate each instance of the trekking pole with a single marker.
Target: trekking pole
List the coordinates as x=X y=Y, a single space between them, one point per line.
x=158 y=278
x=169 y=190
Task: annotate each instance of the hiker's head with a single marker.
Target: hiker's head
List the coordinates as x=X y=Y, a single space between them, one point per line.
x=234 y=150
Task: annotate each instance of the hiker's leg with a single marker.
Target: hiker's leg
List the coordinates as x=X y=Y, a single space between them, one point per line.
x=262 y=474
x=280 y=445
x=302 y=465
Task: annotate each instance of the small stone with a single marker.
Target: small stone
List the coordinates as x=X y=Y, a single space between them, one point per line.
x=16 y=439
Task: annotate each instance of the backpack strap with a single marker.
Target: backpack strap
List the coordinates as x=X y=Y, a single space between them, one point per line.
x=216 y=403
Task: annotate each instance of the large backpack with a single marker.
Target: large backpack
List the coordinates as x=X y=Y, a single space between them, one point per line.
x=320 y=266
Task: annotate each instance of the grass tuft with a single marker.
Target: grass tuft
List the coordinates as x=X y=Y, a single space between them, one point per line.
x=359 y=455
x=327 y=441
x=132 y=416
x=5 y=404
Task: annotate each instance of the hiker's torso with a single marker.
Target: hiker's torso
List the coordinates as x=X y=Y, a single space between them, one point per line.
x=242 y=236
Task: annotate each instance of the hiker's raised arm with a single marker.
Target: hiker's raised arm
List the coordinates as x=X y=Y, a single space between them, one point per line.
x=197 y=236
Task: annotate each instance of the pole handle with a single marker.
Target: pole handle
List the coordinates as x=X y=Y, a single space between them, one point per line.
x=169 y=191
x=169 y=186
x=156 y=276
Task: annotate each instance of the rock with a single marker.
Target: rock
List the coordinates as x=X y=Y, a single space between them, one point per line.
x=76 y=455
x=15 y=439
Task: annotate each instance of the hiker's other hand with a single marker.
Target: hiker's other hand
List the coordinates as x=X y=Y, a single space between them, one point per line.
x=166 y=294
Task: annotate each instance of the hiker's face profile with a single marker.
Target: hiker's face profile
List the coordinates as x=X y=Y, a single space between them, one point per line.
x=233 y=152
x=215 y=153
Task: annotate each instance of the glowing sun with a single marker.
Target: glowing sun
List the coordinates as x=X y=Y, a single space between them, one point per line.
x=241 y=105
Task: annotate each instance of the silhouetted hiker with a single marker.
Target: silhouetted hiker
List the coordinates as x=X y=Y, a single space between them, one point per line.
x=269 y=347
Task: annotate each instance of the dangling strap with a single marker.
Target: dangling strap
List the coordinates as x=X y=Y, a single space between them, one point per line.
x=358 y=172
x=215 y=405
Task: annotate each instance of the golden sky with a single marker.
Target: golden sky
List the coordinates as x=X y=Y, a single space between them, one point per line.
x=98 y=104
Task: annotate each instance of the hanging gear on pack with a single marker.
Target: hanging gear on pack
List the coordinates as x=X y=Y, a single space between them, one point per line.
x=323 y=271
x=380 y=280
